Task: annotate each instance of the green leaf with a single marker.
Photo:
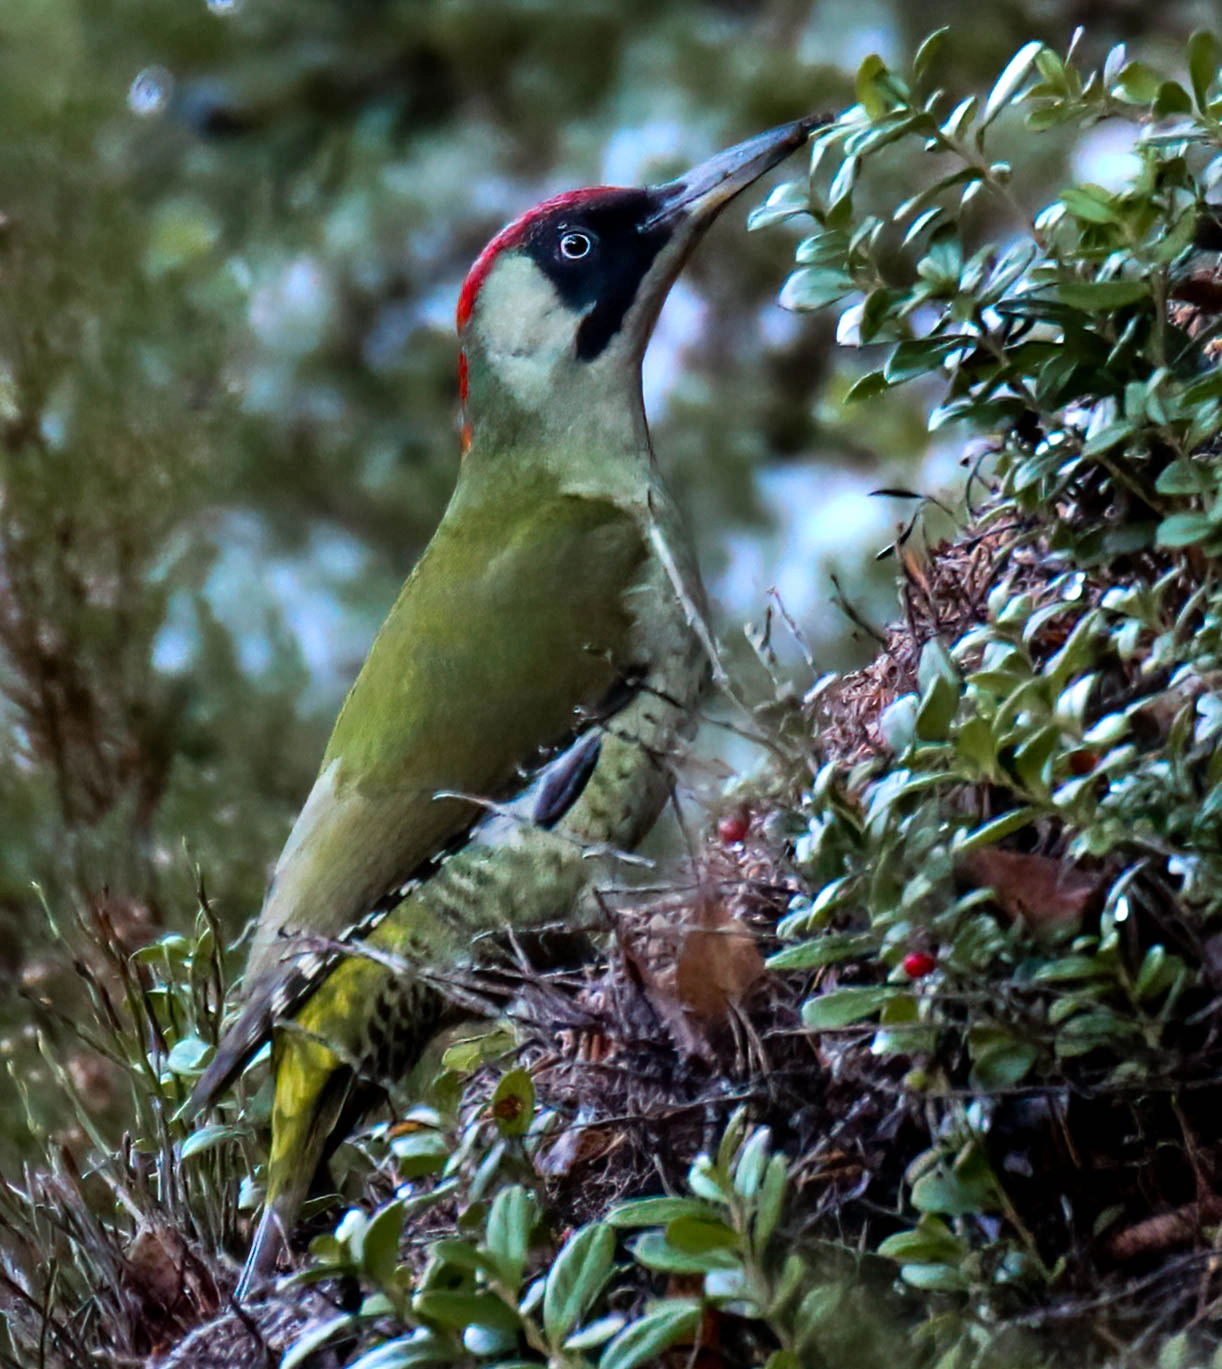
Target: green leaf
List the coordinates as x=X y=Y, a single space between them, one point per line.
x=1092 y=203
x=1204 y=57
x=460 y=1310
x=843 y=1007
x=513 y=1103
x=696 y=1235
x=927 y=52
x=840 y=192
x=380 y=1248
x=1084 y=1032
x=937 y=709
x=576 y=1278
x=934 y=1278
x=1183 y=476
x=814 y=287
x=965 y=175
x=989 y=833
x=596 y=1333
x=1137 y=84
x=821 y=1310
x=1109 y=436
x=1072 y=702
x=717 y=1170
x=654 y=1251
x=1171 y=98
x=1159 y=972
x=932 y=1242
x=1009 y=81
x=1102 y=294
x=926 y=219
x=947 y=1193
x=406 y=1352
x=665 y=1324
x=421 y=1152
x=656 y=1211
x=871 y=94
x=975 y=744
x=872 y=384
x=782 y=1359
x=1183 y=529
x=830 y=248
x=897 y=723
x=751 y=1162
x=918 y=357
x=465 y=1256
x=961 y=117
x=511 y=1223
x=206 y=1138
x=1070 y=967
x=173 y=948
x=828 y=949
x=1051 y=68
x=188 y=1055
x=771 y=1200
x=1003 y=1064
x=1177 y=1353
x=935 y=663
x=788 y=199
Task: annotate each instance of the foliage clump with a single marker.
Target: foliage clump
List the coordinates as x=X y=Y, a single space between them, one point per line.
x=970 y=1113
x=1012 y=839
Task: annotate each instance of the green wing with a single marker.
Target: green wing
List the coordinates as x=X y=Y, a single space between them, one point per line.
x=513 y=624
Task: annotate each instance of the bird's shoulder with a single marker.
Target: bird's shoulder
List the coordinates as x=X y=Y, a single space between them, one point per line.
x=515 y=615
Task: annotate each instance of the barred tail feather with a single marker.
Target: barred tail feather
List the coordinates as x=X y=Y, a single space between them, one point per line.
x=271 y=999
x=314 y=1089
x=270 y=1241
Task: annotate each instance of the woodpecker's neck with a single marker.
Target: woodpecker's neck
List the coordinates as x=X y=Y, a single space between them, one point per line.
x=528 y=399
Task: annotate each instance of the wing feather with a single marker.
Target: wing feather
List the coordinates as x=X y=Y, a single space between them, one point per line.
x=507 y=640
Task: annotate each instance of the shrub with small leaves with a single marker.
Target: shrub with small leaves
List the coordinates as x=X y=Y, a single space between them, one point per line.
x=503 y=1291
x=1013 y=884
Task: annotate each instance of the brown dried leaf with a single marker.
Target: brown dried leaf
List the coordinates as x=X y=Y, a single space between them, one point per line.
x=156 y=1266
x=1041 y=891
x=579 y=1144
x=659 y=993
x=719 y=963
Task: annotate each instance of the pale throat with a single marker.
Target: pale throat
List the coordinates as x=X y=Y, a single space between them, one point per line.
x=522 y=337
x=522 y=329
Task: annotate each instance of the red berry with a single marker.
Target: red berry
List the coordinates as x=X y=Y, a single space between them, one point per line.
x=733 y=828
x=917 y=964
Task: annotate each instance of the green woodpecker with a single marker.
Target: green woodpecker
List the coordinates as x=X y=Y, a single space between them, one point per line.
x=522 y=704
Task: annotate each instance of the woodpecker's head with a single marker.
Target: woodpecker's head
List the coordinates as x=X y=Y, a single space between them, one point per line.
x=557 y=310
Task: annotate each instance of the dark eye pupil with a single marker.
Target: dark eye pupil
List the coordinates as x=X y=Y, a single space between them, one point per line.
x=574 y=245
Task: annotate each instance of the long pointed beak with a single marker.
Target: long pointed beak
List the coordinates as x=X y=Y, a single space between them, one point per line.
x=698 y=196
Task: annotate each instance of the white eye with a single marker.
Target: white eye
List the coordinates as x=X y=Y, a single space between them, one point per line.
x=574 y=245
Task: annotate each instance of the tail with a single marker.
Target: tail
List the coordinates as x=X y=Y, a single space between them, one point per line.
x=271 y=1240
x=268 y=1001
x=313 y=1089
